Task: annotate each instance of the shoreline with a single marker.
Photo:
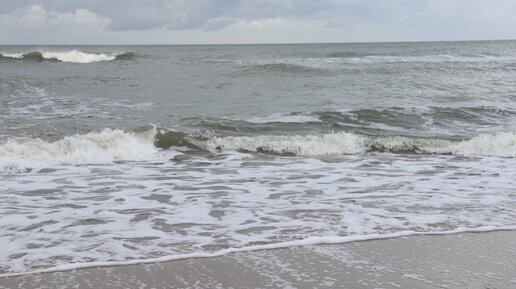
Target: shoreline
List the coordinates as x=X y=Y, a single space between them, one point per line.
x=310 y=241
x=461 y=260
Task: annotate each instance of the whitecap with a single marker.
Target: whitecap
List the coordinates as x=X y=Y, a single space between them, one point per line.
x=107 y=146
x=502 y=144
x=72 y=56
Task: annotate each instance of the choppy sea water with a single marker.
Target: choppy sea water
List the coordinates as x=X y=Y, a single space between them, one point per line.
x=113 y=154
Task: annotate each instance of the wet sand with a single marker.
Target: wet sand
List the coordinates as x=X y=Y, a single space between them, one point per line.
x=467 y=260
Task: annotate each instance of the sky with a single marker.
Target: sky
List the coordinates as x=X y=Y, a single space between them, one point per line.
x=258 y=21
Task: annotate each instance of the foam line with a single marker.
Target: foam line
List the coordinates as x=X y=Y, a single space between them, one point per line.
x=328 y=240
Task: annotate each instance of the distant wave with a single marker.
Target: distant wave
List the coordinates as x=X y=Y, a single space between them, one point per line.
x=348 y=56
x=342 y=54
x=440 y=119
x=440 y=58
x=502 y=144
x=422 y=121
x=282 y=67
x=73 y=56
x=429 y=58
x=285 y=118
x=337 y=60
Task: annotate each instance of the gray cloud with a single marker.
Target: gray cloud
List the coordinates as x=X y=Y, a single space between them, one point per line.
x=357 y=20
x=188 y=14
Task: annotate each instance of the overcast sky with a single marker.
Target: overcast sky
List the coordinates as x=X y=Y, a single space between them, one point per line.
x=258 y=21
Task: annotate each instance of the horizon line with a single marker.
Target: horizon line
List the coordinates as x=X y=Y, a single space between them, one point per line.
x=261 y=43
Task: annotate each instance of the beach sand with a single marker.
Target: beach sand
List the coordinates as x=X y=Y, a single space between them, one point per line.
x=467 y=260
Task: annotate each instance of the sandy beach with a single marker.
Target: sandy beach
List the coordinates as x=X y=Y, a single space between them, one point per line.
x=467 y=260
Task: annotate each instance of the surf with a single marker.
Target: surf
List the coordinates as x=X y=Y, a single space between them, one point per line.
x=502 y=144
x=72 y=56
x=104 y=147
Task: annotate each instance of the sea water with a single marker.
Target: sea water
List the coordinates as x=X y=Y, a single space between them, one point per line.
x=127 y=154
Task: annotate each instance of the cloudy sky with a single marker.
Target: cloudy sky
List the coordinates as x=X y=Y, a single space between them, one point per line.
x=252 y=21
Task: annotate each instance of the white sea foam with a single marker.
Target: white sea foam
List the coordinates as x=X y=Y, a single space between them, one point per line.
x=12 y=55
x=310 y=241
x=502 y=144
x=81 y=216
x=78 y=56
x=329 y=144
x=107 y=146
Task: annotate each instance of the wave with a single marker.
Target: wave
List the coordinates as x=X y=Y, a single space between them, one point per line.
x=342 y=54
x=502 y=144
x=73 y=56
x=421 y=121
x=430 y=58
x=165 y=139
x=439 y=58
x=282 y=67
x=412 y=119
x=107 y=146
x=337 y=60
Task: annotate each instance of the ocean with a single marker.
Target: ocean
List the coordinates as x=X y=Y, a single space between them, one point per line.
x=126 y=154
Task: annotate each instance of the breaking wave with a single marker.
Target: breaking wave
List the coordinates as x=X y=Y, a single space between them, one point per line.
x=502 y=145
x=107 y=146
x=73 y=56
x=165 y=139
